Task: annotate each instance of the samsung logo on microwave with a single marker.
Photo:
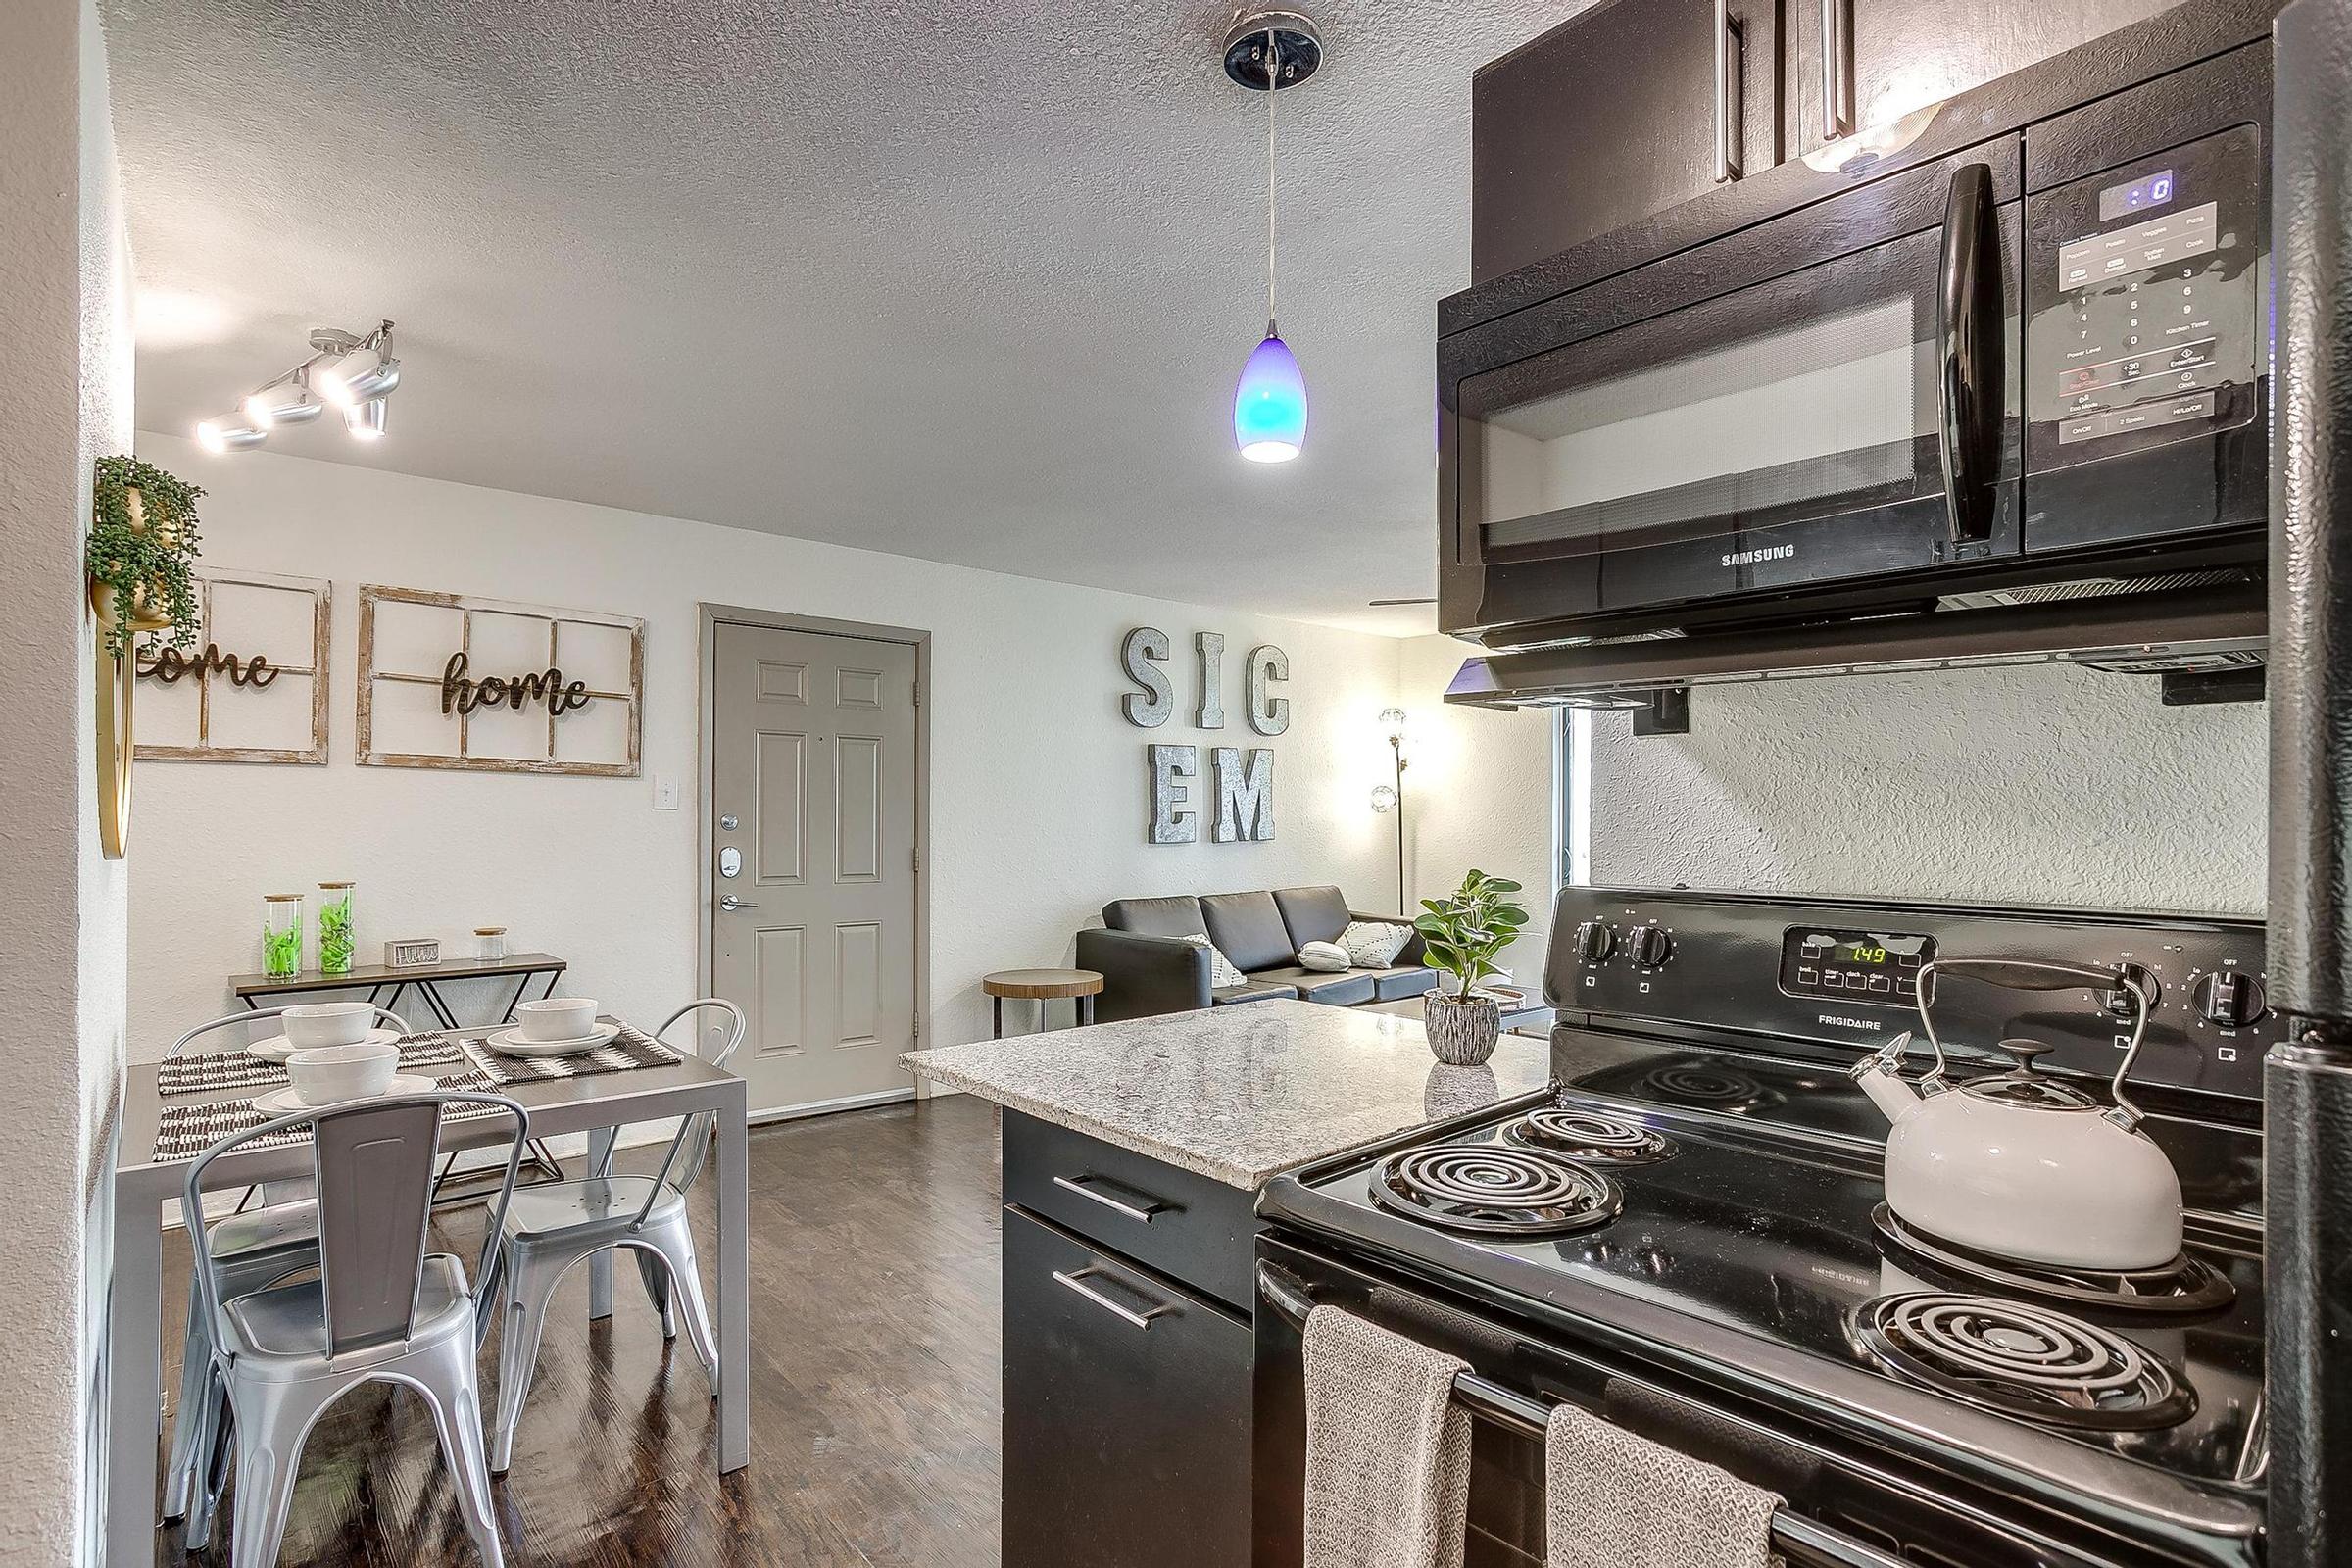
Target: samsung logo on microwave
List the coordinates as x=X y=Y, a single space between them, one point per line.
x=1848 y=1023
x=1748 y=558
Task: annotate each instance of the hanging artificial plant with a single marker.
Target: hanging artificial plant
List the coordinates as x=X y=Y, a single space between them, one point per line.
x=142 y=543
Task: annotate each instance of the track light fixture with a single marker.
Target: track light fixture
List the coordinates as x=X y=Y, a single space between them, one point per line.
x=351 y=371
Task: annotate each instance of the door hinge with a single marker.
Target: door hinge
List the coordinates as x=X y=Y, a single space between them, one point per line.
x=914 y=859
x=919 y=693
x=918 y=1029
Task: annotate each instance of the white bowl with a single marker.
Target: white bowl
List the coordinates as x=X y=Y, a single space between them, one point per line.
x=327 y=1023
x=557 y=1018
x=330 y=1073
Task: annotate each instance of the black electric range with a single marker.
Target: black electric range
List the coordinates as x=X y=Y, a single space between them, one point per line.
x=1688 y=1233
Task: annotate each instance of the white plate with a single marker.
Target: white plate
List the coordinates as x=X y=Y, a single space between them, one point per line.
x=281 y=1102
x=278 y=1047
x=512 y=1042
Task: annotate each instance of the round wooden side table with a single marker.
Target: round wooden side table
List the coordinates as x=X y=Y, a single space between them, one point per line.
x=1041 y=986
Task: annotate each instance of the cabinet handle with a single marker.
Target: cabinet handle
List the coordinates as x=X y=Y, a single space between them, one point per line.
x=1143 y=1211
x=1728 y=46
x=1077 y=1282
x=1837 y=97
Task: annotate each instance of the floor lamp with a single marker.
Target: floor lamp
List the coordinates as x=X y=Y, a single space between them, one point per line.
x=1391 y=796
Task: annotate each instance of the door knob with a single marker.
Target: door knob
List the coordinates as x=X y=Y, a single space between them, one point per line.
x=731 y=902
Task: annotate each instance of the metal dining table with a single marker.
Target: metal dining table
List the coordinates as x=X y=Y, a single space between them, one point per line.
x=597 y=1105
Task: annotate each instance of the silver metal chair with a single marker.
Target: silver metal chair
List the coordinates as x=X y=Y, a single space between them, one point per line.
x=554 y=1225
x=382 y=1308
x=251 y=1251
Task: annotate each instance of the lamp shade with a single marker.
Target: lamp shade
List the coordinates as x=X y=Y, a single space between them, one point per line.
x=1269 y=407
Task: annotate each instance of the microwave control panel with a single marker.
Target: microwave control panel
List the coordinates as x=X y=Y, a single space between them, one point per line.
x=2143 y=289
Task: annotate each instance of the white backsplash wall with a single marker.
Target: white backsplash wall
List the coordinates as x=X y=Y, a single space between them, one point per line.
x=1478 y=793
x=1039 y=790
x=2042 y=784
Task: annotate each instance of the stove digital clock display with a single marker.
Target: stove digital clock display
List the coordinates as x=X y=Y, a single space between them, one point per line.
x=1884 y=965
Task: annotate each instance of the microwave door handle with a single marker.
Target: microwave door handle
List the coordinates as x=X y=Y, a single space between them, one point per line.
x=1970 y=386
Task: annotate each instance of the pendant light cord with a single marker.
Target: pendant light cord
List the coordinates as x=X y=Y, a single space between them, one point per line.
x=1273 y=85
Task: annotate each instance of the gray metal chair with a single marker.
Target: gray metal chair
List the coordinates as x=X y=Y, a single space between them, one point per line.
x=381 y=1308
x=251 y=1251
x=554 y=1225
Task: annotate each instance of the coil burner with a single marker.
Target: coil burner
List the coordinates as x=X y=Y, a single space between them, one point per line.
x=1496 y=1189
x=1709 y=1085
x=2025 y=1361
x=1589 y=1136
x=2183 y=1287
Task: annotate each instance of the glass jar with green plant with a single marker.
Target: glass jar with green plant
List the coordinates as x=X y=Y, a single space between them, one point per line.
x=140 y=554
x=281 y=935
x=1463 y=934
x=334 y=927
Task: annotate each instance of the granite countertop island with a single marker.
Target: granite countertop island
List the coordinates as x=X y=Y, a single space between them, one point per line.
x=1237 y=1094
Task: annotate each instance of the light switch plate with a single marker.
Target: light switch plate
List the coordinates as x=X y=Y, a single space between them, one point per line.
x=666 y=792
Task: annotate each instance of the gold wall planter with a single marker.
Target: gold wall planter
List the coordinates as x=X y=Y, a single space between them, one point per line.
x=118 y=676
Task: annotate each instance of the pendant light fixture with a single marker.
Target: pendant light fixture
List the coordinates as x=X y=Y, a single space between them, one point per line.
x=1268 y=50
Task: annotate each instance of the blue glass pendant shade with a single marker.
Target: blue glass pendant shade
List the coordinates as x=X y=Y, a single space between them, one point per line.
x=1269 y=405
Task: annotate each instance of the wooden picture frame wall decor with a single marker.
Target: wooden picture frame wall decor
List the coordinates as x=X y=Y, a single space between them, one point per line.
x=489 y=685
x=254 y=688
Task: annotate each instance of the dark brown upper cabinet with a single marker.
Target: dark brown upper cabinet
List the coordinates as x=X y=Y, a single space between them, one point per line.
x=1856 y=66
x=1625 y=110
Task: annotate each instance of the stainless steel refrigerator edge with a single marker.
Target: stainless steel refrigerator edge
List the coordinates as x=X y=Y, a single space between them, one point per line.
x=2308 y=1084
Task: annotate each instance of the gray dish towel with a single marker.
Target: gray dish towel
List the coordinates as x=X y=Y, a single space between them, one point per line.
x=1614 y=1498
x=1388 y=1450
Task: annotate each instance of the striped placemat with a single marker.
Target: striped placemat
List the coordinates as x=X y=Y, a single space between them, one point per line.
x=627 y=1051
x=183 y=1132
x=243 y=1069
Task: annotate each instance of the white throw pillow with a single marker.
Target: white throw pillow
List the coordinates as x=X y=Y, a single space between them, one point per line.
x=1374 y=944
x=1221 y=972
x=1324 y=957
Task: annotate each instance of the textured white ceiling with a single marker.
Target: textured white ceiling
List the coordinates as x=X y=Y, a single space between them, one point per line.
x=967 y=280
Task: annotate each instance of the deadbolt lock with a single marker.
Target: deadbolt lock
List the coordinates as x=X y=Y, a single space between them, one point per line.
x=730 y=861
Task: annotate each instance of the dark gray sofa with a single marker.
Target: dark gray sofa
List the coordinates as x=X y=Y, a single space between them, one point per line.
x=1148 y=968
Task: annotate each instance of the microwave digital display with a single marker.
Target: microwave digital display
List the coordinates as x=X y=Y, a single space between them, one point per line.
x=2152 y=190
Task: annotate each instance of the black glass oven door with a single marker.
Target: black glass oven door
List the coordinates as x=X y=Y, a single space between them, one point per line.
x=1792 y=433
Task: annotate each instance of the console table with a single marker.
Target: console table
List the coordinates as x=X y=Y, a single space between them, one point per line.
x=385 y=985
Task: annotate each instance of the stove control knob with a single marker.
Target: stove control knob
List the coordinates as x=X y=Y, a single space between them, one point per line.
x=2119 y=1001
x=2231 y=998
x=1596 y=941
x=1650 y=946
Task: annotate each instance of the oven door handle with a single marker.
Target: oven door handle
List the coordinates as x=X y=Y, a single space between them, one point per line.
x=1971 y=385
x=1530 y=1417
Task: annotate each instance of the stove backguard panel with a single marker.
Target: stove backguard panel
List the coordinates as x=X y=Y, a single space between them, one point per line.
x=1837 y=978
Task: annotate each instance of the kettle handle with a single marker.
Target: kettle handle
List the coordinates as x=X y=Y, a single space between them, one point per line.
x=2035 y=974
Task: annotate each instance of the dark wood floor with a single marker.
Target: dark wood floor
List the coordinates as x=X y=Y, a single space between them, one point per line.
x=874 y=1339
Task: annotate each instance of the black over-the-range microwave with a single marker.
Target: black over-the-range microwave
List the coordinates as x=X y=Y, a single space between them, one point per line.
x=2020 y=340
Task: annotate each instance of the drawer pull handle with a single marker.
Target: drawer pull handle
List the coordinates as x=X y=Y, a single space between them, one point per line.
x=1142 y=1211
x=1077 y=1282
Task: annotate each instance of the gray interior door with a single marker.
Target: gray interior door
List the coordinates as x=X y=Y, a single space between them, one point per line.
x=812 y=890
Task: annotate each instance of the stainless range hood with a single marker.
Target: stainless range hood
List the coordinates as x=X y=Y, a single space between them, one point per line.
x=2196 y=623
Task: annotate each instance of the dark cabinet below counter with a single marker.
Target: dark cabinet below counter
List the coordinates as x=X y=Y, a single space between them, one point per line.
x=1126 y=1412
x=1128 y=1289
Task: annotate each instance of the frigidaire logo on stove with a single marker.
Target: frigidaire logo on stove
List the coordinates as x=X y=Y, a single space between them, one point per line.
x=1848 y=1023
x=1748 y=558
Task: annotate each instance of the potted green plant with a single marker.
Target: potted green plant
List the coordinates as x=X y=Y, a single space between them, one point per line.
x=140 y=554
x=1463 y=934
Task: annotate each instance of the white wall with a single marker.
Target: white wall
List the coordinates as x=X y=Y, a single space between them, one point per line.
x=1480 y=790
x=1038 y=786
x=2028 y=785
x=64 y=400
x=2038 y=785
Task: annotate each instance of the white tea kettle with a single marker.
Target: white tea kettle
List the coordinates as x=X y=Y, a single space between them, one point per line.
x=2023 y=1164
